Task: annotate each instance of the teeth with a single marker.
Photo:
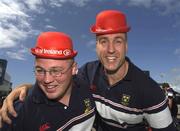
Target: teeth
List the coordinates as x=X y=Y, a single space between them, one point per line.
x=50 y=87
x=111 y=58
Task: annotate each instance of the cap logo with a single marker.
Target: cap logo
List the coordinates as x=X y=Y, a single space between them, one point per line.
x=65 y=52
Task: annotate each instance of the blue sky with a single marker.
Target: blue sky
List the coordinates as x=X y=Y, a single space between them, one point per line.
x=153 y=42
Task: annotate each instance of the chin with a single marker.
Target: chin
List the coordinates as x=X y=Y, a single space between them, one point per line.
x=51 y=96
x=110 y=67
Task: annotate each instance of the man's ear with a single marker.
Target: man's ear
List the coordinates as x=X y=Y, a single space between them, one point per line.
x=126 y=47
x=75 y=68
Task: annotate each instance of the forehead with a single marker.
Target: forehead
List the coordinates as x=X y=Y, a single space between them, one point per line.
x=112 y=36
x=51 y=62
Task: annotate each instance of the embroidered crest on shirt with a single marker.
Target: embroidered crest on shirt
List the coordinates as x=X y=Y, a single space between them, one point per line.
x=44 y=127
x=87 y=104
x=125 y=99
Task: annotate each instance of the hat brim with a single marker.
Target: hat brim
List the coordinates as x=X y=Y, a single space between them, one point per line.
x=52 y=56
x=97 y=31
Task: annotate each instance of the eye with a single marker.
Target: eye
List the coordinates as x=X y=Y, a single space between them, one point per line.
x=103 y=42
x=118 y=41
x=39 y=70
x=56 y=71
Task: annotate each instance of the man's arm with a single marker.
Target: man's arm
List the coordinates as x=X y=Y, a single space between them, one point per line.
x=7 y=107
x=17 y=122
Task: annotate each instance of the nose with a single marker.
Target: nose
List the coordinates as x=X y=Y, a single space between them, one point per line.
x=111 y=47
x=48 y=78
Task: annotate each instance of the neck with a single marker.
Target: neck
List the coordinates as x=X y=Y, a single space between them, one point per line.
x=113 y=78
x=65 y=100
x=66 y=97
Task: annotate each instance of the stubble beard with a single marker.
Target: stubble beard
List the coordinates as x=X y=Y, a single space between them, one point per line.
x=114 y=71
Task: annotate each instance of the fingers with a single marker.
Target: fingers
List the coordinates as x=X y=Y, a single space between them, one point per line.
x=24 y=89
x=4 y=113
x=8 y=104
x=7 y=107
x=10 y=107
x=0 y=120
x=22 y=95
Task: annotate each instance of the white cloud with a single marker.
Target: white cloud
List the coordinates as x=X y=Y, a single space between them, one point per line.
x=15 y=24
x=162 y=75
x=10 y=8
x=47 y=20
x=16 y=19
x=91 y=45
x=56 y=3
x=176 y=83
x=174 y=78
x=16 y=16
x=34 y=5
x=50 y=27
x=18 y=54
x=79 y=3
x=176 y=70
x=177 y=52
x=162 y=6
x=145 y=3
x=59 y=3
x=15 y=55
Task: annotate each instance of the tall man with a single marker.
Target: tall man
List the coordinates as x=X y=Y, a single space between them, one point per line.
x=58 y=101
x=124 y=95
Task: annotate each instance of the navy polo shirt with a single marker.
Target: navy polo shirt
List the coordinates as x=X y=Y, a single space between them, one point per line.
x=124 y=105
x=38 y=113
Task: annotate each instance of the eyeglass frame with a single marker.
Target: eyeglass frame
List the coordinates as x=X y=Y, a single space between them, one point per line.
x=51 y=70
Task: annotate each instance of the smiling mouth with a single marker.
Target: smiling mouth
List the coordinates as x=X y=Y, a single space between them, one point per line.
x=51 y=89
x=110 y=58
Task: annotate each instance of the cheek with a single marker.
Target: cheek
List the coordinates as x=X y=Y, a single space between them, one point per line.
x=100 y=50
x=39 y=79
x=64 y=78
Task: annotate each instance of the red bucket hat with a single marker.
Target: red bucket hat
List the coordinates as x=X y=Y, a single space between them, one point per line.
x=110 y=21
x=56 y=45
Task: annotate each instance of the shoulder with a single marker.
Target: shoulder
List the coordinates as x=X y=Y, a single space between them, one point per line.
x=89 y=66
x=88 y=70
x=141 y=77
x=148 y=88
x=81 y=85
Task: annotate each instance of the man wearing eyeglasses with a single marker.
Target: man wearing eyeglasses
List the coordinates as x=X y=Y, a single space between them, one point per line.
x=59 y=101
x=124 y=95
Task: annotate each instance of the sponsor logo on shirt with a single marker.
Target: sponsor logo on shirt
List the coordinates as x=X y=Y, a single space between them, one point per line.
x=87 y=104
x=125 y=99
x=44 y=127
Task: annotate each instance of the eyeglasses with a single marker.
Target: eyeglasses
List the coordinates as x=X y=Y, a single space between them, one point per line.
x=55 y=71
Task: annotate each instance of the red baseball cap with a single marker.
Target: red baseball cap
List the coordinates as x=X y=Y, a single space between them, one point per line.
x=55 y=45
x=110 y=21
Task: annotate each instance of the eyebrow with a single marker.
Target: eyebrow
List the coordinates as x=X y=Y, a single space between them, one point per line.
x=117 y=37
